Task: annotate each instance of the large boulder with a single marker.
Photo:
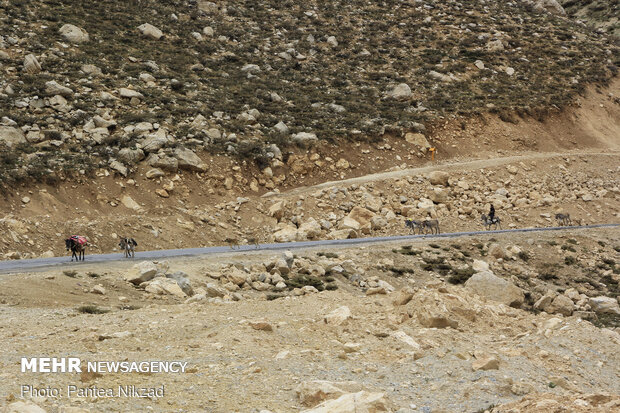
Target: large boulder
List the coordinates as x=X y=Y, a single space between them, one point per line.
x=54 y=88
x=438 y=178
x=167 y=163
x=189 y=160
x=11 y=136
x=182 y=280
x=419 y=140
x=309 y=230
x=148 y=30
x=338 y=316
x=287 y=233
x=549 y=6
x=561 y=304
x=128 y=202
x=361 y=215
x=164 y=286
x=277 y=210
x=130 y=156
x=311 y=393
x=154 y=142
x=23 y=407
x=130 y=93
x=360 y=402
x=142 y=272
x=488 y=285
x=439 y=196
x=401 y=91
x=304 y=137
x=74 y=34
x=236 y=276
x=31 y=64
x=604 y=305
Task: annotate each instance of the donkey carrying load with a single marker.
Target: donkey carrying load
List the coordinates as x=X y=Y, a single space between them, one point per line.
x=77 y=245
x=563 y=220
x=128 y=245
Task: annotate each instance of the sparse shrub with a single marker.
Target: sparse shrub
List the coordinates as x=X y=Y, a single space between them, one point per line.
x=128 y=307
x=523 y=255
x=92 y=309
x=274 y=296
x=327 y=254
x=460 y=275
x=400 y=271
x=570 y=260
x=302 y=280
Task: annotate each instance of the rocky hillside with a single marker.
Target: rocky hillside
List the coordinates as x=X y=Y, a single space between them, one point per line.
x=107 y=84
x=604 y=15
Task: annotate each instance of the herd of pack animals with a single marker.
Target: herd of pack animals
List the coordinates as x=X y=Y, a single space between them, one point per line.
x=128 y=245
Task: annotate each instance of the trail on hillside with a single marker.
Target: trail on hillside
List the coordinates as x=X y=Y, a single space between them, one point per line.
x=461 y=166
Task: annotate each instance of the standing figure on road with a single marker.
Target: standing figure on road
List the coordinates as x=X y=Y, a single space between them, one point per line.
x=492 y=213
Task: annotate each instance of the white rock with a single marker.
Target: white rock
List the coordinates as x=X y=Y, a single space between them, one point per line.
x=74 y=34
x=11 y=136
x=488 y=285
x=338 y=316
x=400 y=91
x=361 y=402
x=604 y=304
x=151 y=31
x=141 y=272
x=31 y=64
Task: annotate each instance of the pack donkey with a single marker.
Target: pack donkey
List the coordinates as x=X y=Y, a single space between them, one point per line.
x=77 y=245
x=432 y=225
x=487 y=222
x=128 y=245
x=563 y=220
x=414 y=225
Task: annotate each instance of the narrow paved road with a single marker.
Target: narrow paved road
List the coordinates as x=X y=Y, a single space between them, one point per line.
x=17 y=266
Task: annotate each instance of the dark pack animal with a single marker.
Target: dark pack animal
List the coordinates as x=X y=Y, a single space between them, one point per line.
x=414 y=225
x=77 y=245
x=432 y=225
x=563 y=219
x=487 y=222
x=128 y=245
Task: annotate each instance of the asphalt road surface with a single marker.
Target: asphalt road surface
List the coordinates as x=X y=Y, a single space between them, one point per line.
x=35 y=264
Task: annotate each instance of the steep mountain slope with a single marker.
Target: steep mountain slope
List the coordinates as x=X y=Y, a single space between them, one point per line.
x=601 y=14
x=94 y=85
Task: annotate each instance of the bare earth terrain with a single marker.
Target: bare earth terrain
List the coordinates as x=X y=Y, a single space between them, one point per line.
x=510 y=322
x=424 y=343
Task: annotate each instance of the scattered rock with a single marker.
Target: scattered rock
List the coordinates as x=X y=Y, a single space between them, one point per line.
x=401 y=91
x=361 y=402
x=142 y=272
x=74 y=34
x=31 y=64
x=151 y=31
x=11 y=136
x=485 y=362
x=488 y=285
x=338 y=316
x=605 y=305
